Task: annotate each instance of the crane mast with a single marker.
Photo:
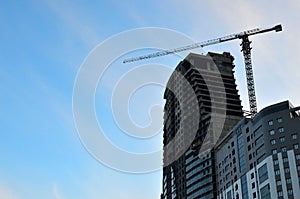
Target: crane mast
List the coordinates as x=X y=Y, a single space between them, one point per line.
x=246 y=49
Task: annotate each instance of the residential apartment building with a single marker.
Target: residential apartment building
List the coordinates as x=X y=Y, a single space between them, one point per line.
x=260 y=157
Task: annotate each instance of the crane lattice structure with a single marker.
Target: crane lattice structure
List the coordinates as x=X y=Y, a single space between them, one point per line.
x=246 y=49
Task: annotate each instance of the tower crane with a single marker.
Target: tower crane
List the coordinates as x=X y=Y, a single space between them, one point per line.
x=246 y=49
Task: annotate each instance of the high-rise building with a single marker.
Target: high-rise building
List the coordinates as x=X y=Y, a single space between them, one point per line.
x=210 y=110
x=260 y=157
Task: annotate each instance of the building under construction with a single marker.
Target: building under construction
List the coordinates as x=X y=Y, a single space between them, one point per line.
x=212 y=80
x=250 y=157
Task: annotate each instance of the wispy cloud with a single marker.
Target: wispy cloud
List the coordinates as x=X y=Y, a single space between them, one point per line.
x=275 y=57
x=56 y=192
x=74 y=21
x=7 y=193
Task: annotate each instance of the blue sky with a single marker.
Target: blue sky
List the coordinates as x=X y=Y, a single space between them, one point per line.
x=44 y=43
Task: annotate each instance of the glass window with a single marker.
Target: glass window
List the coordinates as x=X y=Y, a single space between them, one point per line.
x=265 y=192
x=276 y=162
x=274 y=151
x=244 y=187
x=270 y=123
x=229 y=195
x=290 y=192
x=278 y=182
x=280 y=194
x=285 y=160
x=281 y=130
x=296 y=146
x=241 y=153
x=279 y=120
x=294 y=136
x=289 y=181
x=283 y=149
x=263 y=173
x=272 y=132
x=277 y=172
x=298 y=157
x=273 y=142
x=282 y=139
x=286 y=170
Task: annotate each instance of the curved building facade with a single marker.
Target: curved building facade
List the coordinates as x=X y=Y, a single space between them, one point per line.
x=188 y=162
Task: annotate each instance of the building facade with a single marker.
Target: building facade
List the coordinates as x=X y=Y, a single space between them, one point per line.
x=260 y=157
x=188 y=163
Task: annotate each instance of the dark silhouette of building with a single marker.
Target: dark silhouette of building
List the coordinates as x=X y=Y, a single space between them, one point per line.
x=210 y=110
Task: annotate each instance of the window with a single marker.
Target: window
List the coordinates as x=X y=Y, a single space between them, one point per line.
x=298 y=157
x=253 y=185
x=241 y=152
x=252 y=175
x=265 y=192
x=277 y=172
x=282 y=139
x=270 y=123
x=273 y=142
x=279 y=120
x=276 y=162
x=283 y=149
x=257 y=131
x=281 y=130
x=259 y=140
x=285 y=160
x=251 y=166
x=274 y=151
x=263 y=173
x=244 y=186
x=286 y=170
x=279 y=193
x=278 y=183
x=229 y=195
x=290 y=192
x=294 y=136
x=298 y=168
x=296 y=146
x=272 y=132
x=288 y=181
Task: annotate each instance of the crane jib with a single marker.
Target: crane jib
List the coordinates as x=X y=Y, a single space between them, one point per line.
x=246 y=49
